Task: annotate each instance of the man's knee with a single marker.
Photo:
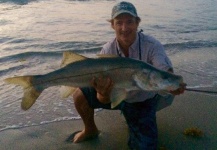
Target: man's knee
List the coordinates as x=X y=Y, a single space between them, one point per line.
x=79 y=98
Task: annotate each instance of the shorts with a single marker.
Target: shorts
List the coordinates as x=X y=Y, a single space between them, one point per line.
x=140 y=118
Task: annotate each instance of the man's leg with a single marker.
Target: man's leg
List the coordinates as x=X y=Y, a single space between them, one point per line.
x=87 y=115
x=141 y=120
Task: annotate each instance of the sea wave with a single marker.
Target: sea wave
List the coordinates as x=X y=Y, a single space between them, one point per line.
x=55 y=50
x=191 y=44
x=24 y=55
x=18 y=2
x=10 y=43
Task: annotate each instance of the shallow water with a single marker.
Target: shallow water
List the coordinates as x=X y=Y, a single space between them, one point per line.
x=34 y=33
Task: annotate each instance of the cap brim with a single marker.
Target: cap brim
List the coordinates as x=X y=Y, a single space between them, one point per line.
x=122 y=12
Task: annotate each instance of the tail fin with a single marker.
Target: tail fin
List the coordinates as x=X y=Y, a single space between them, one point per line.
x=31 y=93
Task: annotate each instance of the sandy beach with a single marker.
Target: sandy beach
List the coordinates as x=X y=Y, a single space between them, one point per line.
x=187 y=111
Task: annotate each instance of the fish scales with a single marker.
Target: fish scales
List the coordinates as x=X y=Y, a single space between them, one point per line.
x=78 y=71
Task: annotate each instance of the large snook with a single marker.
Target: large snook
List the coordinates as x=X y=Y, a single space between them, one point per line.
x=77 y=71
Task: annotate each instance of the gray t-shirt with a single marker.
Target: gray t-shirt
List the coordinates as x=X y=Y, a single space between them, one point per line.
x=152 y=52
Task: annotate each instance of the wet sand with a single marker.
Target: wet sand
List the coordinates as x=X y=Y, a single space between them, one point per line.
x=188 y=110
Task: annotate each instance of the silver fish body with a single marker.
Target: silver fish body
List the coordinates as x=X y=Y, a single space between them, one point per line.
x=127 y=74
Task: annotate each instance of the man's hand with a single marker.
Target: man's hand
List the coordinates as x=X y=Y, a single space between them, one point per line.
x=103 y=86
x=180 y=90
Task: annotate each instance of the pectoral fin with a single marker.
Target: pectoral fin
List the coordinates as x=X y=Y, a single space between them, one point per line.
x=65 y=91
x=117 y=96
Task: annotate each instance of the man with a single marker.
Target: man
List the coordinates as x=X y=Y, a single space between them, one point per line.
x=139 y=108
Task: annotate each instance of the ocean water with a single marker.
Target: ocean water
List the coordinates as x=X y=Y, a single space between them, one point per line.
x=34 y=33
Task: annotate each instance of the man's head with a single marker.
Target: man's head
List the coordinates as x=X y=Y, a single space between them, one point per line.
x=125 y=21
x=124 y=7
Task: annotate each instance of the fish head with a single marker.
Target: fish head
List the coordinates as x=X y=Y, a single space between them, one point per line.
x=161 y=80
x=157 y=80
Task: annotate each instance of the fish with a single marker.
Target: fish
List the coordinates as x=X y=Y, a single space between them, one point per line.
x=77 y=71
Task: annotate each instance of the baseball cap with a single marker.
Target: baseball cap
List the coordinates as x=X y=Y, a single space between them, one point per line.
x=123 y=7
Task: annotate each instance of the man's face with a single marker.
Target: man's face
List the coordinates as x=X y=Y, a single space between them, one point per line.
x=125 y=27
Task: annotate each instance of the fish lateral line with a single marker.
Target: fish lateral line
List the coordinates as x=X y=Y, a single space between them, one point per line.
x=85 y=74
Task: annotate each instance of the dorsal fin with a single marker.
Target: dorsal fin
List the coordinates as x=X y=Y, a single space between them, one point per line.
x=70 y=57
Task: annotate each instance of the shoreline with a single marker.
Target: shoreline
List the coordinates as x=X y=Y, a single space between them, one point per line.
x=187 y=111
